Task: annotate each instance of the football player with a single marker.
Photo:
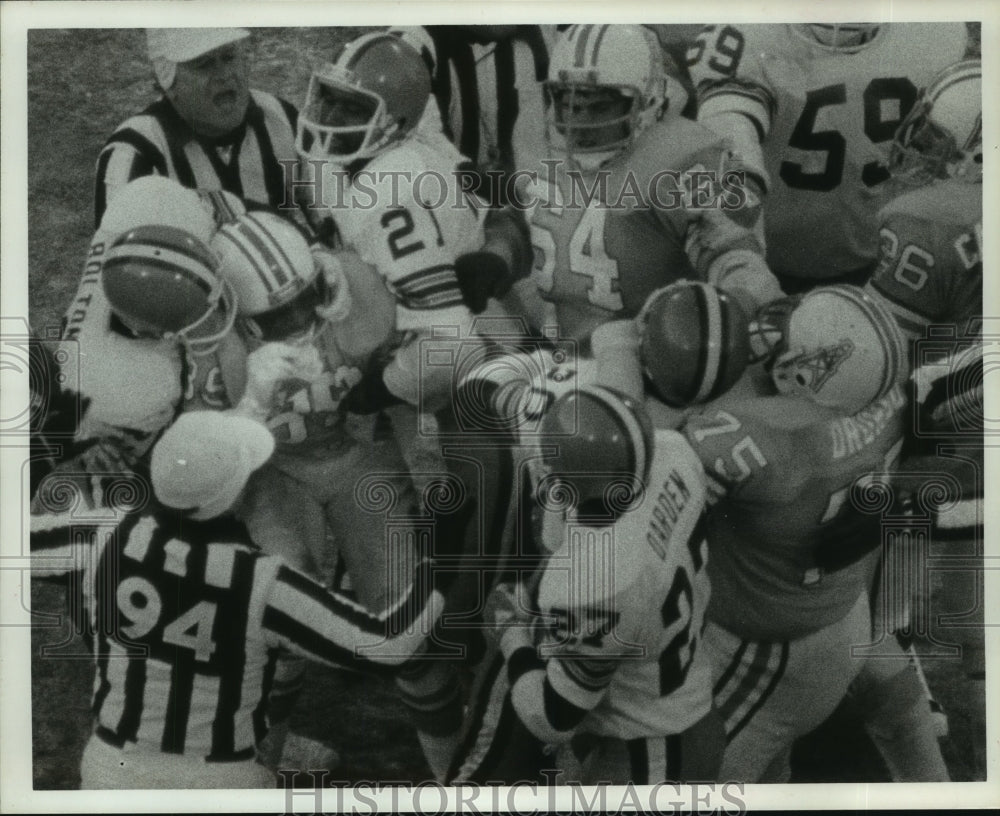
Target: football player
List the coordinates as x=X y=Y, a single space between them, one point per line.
x=930 y=272
x=634 y=196
x=812 y=109
x=290 y=294
x=152 y=256
x=601 y=645
x=402 y=210
x=585 y=660
x=189 y=616
x=783 y=451
x=930 y=266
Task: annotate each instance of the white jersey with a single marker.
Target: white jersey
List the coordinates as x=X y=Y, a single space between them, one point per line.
x=826 y=119
x=626 y=605
x=409 y=218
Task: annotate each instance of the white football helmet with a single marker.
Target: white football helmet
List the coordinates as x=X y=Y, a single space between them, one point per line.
x=371 y=97
x=606 y=84
x=842 y=37
x=840 y=349
x=942 y=136
x=157 y=201
x=267 y=261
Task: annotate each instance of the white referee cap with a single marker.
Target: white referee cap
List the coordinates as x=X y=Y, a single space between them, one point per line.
x=169 y=46
x=203 y=461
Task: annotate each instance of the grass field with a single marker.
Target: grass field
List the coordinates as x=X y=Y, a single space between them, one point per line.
x=81 y=84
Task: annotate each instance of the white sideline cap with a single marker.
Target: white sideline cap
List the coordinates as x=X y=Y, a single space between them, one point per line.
x=205 y=458
x=169 y=46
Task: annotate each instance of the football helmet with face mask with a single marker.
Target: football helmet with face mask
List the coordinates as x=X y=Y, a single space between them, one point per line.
x=840 y=349
x=606 y=84
x=163 y=282
x=843 y=37
x=942 y=136
x=371 y=97
x=267 y=261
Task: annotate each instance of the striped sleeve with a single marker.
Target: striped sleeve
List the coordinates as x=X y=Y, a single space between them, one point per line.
x=61 y=543
x=129 y=154
x=552 y=695
x=755 y=102
x=304 y=617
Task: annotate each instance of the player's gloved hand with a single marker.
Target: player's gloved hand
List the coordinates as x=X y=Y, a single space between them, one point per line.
x=270 y=365
x=338 y=302
x=371 y=394
x=482 y=275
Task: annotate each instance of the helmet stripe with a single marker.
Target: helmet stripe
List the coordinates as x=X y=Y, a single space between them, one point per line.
x=708 y=304
x=703 y=352
x=597 y=45
x=885 y=329
x=363 y=44
x=256 y=235
x=192 y=249
x=629 y=424
x=252 y=262
x=283 y=262
x=162 y=258
x=581 y=46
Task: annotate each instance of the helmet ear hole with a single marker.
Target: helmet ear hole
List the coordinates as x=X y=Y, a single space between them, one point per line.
x=847 y=351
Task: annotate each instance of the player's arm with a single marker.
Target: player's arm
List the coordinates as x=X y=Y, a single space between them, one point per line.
x=718 y=219
x=734 y=97
x=504 y=259
x=128 y=155
x=555 y=682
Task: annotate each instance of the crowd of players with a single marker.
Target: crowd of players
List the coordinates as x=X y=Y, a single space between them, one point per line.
x=666 y=379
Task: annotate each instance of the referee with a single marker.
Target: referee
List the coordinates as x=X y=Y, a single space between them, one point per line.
x=208 y=130
x=187 y=617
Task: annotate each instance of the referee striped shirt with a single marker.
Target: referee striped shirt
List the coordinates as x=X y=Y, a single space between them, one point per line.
x=187 y=619
x=247 y=163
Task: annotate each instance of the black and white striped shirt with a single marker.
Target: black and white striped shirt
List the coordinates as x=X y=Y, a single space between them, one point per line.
x=247 y=164
x=187 y=619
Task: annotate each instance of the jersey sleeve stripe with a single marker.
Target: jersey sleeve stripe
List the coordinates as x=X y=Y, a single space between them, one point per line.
x=728 y=97
x=429 y=275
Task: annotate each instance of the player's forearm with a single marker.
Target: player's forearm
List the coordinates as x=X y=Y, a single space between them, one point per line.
x=744 y=274
x=744 y=134
x=423 y=371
